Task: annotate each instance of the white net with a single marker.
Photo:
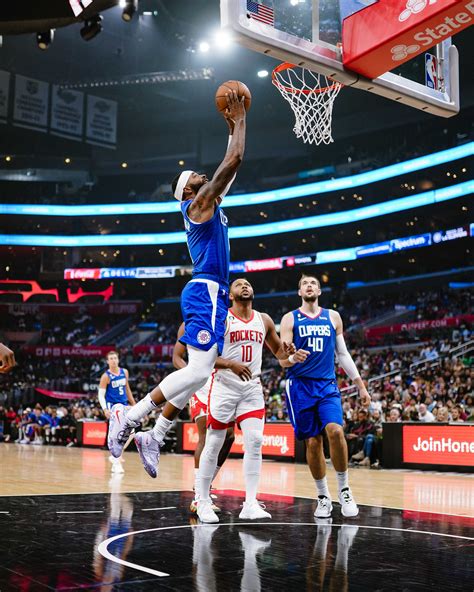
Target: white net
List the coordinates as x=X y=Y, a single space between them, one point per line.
x=311 y=97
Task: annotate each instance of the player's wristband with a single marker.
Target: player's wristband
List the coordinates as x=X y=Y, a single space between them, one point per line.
x=291 y=359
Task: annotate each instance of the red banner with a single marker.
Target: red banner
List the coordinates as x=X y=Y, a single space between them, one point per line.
x=419 y=326
x=61 y=394
x=388 y=33
x=85 y=351
x=439 y=445
x=278 y=439
x=94 y=433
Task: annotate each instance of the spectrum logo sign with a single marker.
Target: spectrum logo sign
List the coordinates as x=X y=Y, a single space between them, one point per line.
x=439 y=445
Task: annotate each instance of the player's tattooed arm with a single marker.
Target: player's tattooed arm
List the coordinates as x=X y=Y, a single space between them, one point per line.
x=203 y=205
x=345 y=359
x=128 y=390
x=286 y=333
x=179 y=351
x=240 y=370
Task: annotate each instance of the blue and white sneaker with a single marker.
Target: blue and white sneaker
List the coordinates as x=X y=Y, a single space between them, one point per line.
x=149 y=451
x=119 y=429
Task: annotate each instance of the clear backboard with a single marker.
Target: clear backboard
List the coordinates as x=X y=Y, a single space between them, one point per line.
x=308 y=33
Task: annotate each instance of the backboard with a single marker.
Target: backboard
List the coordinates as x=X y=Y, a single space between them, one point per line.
x=308 y=33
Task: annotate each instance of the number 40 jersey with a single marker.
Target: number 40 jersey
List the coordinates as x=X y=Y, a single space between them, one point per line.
x=243 y=343
x=318 y=336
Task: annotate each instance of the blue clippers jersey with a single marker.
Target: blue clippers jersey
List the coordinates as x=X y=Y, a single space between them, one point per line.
x=208 y=245
x=116 y=391
x=318 y=336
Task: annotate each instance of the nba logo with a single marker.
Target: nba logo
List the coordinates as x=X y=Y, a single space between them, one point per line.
x=431 y=71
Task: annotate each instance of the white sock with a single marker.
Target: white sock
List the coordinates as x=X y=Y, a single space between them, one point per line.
x=162 y=425
x=215 y=472
x=196 y=484
x=322 y=487
x=141 y=409
x=208 y=461
x=342 y=480
x=252 y=430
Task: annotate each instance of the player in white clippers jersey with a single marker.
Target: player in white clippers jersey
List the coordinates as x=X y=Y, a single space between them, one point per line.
x=198 y=410
x=231 y=401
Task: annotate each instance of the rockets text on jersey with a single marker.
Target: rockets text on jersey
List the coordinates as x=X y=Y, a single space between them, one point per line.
x=243 y=343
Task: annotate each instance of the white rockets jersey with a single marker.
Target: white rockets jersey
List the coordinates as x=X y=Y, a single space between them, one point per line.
x=243 y=343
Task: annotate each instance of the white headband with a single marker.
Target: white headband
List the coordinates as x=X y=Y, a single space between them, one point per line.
x=182 y=181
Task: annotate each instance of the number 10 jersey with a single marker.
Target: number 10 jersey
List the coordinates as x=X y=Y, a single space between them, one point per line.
x=318 y=336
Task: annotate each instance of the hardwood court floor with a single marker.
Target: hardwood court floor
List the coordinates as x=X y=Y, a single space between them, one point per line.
x=40 y=470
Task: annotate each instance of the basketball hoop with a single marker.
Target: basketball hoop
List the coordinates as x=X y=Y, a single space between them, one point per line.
x=311 y=97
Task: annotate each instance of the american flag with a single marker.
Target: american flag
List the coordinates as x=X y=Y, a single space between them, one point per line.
x=260 y=12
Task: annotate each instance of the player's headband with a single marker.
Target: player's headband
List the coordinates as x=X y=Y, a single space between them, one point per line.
x=182 y=181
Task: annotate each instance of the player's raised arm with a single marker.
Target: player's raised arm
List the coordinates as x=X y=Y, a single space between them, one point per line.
x=179 y=351
x=202 y=207
x=286 y=333
x=345 y=358
x=128 y=390
x=104 y=381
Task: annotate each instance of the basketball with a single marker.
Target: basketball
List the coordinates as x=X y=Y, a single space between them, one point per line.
x=240 y=88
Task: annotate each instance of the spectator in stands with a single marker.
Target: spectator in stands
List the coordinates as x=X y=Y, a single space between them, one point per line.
x=442 y=415
x=356 y=434
x=456 y=412
x=424 y=415
x=394 y=415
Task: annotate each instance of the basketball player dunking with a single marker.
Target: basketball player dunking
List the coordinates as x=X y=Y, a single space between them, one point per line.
x=313 y=399
x=204 y=300
x=113 y=389
x=231 y=401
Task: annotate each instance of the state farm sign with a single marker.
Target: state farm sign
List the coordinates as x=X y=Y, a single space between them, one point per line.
x=278 y=439
x=439 y=445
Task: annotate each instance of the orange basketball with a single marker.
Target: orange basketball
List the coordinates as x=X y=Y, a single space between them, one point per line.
x=240 y=88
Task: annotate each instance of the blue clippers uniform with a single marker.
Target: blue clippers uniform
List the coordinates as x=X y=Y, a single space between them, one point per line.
x=116 y=391
x=311 y=389
x=205 y=299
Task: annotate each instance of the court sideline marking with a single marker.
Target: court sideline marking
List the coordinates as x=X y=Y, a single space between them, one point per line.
x=103 y=546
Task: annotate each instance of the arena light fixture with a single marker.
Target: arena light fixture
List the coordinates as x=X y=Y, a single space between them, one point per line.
x=393 y=206
x=222 y=39
x=262 y=73
x=44 y=39
x=92 y=27
x=129 y=9
x=204 y=46
x=246 y=199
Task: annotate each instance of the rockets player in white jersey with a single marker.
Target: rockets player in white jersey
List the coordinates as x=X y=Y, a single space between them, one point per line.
x=198 y=410
x=231 y=401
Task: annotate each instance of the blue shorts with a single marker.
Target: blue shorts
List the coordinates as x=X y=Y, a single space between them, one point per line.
x=312 y=404
x=204 y=306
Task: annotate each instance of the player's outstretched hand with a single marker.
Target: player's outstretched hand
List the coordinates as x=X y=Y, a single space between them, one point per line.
x=364 y=397
x=242 y=371
x=7 y=359
x=300 y=356
x=235 y=108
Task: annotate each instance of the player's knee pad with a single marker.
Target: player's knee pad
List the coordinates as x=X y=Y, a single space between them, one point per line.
x=214 y=441
x=253 y=443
